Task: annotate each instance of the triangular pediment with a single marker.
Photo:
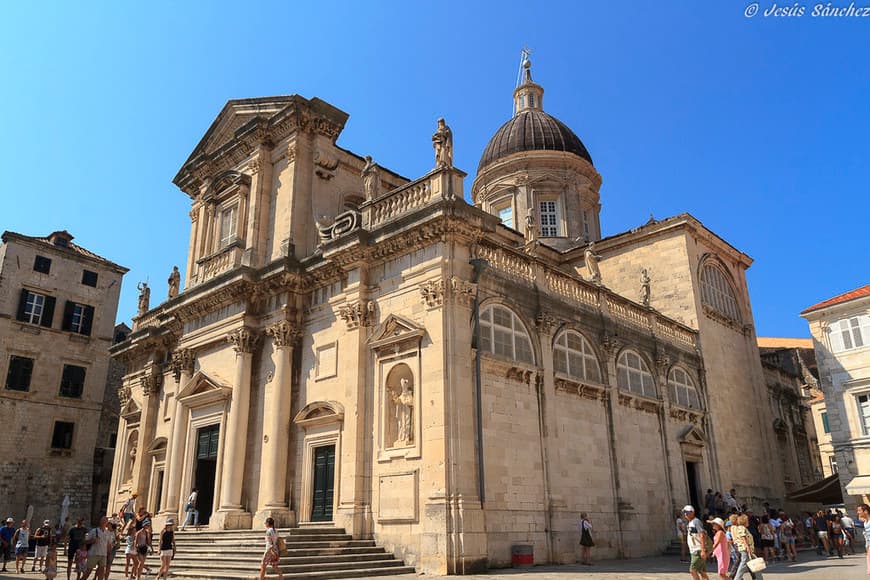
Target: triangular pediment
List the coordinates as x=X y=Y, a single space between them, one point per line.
x=693 y=436
x=320 y=413
x=395 y=329
x=131 y=411
x=202 y=387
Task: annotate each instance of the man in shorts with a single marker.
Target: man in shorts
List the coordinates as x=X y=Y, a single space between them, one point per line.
x=74 y=540
x=822 y=527
x=849 y=526
x=695 y=534
x=42 y=535
x=100 y=540
x=6 y=533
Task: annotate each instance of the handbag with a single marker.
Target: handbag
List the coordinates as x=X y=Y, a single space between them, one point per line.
x=756 y=564
x=585 y=536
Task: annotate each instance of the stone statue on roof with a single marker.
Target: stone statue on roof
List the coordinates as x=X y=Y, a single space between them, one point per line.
x=644 y=287
x=174 y=282
x=144 y=297
x=591 y=260
x=371 y=178
x=442 y=141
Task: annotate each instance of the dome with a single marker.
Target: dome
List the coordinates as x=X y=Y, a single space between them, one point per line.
x=532 y=130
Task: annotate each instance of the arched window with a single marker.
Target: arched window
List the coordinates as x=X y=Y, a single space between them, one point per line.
x=633 y=375
x=573 y=355
x=683 y=390
x=502 y=333
x=717 y=292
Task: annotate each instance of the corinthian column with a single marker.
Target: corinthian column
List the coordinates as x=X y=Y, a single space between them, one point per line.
x=276 y=429
x=231 y=515
x=182 y=365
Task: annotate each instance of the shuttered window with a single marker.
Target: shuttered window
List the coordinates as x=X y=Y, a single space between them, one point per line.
x=35 y=308
x=850 y=333
x=19 y=373
x=78 y=318
x=72 y=382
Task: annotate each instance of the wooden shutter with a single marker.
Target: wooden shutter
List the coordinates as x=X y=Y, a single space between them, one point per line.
x=47 y=312
x=22 y=304
x=87 y=320
x=66 y=323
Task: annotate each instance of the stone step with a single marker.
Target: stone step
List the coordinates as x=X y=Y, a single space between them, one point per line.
x=296 y=555
x=375 y=554
x=241 y=568
x=357 y=573
x=261 y=532
x=213 y=546
x=247 y=540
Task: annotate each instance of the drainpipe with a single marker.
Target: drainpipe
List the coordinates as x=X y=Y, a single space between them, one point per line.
x=479 y=265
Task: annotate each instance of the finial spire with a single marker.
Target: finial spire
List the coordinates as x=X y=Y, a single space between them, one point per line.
x=528 y=95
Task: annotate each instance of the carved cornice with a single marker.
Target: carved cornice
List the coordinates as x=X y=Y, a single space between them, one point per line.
x=546 y=322
x=284 y=333
x=640 y=403
x=244 y=340
x=583 y=390
x=434 y=292
x=358 y=313
x=521 y=375
x=683 y=414
x=182 y=362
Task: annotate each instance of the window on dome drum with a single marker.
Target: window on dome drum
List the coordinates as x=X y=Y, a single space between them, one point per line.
x=77 y=318
x=502 y=333
x=72 y=382
x=850 y=333
x=42 y=264
x=506 y=214
x=35 y=308
x=633 y=375
x=19 y=373
x=683 y=390
x=228 y=226
x=89 y=278
x=717 y=292
x=573 y=355
x=548 y=213
x=62 y=437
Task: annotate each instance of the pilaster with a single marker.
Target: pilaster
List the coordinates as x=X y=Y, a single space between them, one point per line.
x=182 y=366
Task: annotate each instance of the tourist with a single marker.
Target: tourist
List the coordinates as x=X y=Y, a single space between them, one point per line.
x=113 y=550
x=681 y=537
x=50 y=569
x=21 y=540
x=167 y=548
x=99 y=542
x=59 y=535
x=129 y=507
x=788 y=537
x=131 y=558
x=695 y=535
x=75 y=539
x=735 y=556
x=143 y=546
x=745 y=544
x=767 y=533
x=272 y=555
x=586 y=542
x=6 y=534
x=821 y=526
x=710 y=501
x=720 y=548
x=142 y=515
x=849 y=526
x=42 y=535
x=719 y=503
x=809 y=531
x=81 y=557
x=191 y=510
x=838 y=535
x=775 y=522
x=864 y=516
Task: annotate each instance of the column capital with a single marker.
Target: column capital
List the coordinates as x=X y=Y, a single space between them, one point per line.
x=182 y=362
x=244 y=340
x=151 y=383
x=285 y=333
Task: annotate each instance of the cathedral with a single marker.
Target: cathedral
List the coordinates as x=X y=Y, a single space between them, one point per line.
x=449 y=378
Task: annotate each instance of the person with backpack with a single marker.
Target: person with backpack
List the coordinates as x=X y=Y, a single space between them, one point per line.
x=43 y=536
x=191 y=511
x=697 y=542
x=143 y=546
x=586 y=542
x=99 y=543
x=272 y=555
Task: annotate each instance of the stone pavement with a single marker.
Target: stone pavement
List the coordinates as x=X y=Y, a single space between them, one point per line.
x=809 y=567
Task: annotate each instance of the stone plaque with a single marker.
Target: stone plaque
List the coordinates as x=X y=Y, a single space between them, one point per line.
x=397 y=497
x=327 y=361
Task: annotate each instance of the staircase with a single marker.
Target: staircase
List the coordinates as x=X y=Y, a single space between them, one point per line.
x=312 y=553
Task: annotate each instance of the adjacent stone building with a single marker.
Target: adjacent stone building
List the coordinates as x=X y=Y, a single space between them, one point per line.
x=57 y=314
x=450 y=378
x=840 y=327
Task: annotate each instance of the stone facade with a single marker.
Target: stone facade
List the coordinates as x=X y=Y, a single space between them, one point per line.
x=357 y=348
x=840 y=328
x=57 y=313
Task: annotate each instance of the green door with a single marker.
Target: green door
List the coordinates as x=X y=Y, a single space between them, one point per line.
x=324 y=483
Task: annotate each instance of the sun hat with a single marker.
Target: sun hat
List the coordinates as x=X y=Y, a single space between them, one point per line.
x=717 y=521
x=687 y=509
x=10 y=521
x=170 y=522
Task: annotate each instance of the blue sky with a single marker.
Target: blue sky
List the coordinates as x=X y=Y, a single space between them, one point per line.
x=757 y=126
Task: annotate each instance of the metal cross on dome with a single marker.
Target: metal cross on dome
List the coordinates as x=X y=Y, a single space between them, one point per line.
x=525 y=53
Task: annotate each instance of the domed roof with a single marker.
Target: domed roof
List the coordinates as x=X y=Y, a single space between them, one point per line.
x=532 y=130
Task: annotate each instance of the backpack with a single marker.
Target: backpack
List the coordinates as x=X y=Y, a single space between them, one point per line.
x=282 y=546
x=708 y=544
x=93 y=535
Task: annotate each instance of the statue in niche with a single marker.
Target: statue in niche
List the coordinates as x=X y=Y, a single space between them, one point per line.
x=144 y=297
x=174 y=282
x=591 y=259
x=371 y=178
x=404 y=401
x=531 y=231
x=644 y=287
x=442 y=141
x=132 y=457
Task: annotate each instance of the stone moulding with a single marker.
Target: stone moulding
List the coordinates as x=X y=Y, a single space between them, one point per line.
x=434 y=292
x=632 y=401
x=358 y=313
x=683 y=414
x=581 y=389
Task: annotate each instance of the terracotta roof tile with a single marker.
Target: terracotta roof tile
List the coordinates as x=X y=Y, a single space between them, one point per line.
x=861 y=292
